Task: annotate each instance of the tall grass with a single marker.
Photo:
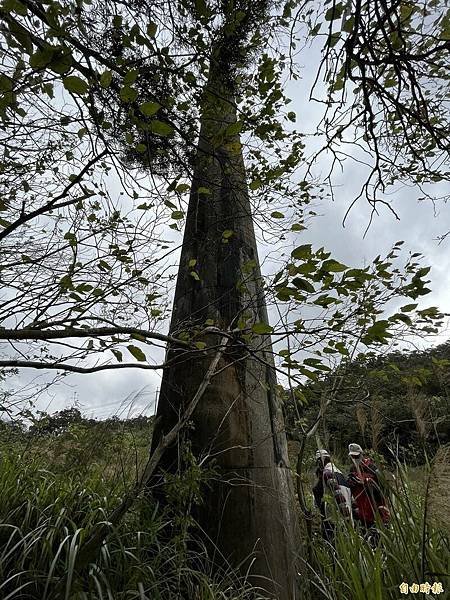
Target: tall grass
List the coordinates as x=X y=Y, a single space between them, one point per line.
x=54 y=493
x=410 y=550
x=44 y=517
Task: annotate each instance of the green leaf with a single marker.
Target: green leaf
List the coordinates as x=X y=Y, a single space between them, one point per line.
x=334 y=12
x=6 y=83
x=160 y=128
x=422 y=272
x=233 y=128
x=348 y=25
x=65 y=283
x=377 y=332
x=75 y=85
x=15 y=6
x=137 y=353
x=201 y=8
x=84 y=288
x=128 y=93
x=177 y=214
x=117 y=354
x=333 y=39
x=131 y=76
x=42 y=58
x=192 y=262
x=104 y=266
x=445 y=27
x=61 y=62
x=341 y=347
x=152 y=28
x=255 y=184
x=106 y=79
x=408 y=307
x=200 y=345
x=313 y=362
x=284 y=293
x=249 y=265
x=333 y=266
x=306 y=268
x=301 y=252
x=406 y=10
x=261 y=328
x=431 y=311
x=401 y=317
x=297 y=227
x=303 y=284
x=194 y=275
x=277 y=215
x=71 y=238
x=310 y=374
x=22 y=36
x=338 y=84
x=149 y=108
x=325 y=300
x=227 y=233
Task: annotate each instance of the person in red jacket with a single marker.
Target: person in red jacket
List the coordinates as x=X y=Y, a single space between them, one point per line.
x=367 y=493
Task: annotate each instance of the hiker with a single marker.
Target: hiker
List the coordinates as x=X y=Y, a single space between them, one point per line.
x=368 y=496
x=330 y=478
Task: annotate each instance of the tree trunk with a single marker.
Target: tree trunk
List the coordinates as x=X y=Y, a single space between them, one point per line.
x=248 y=512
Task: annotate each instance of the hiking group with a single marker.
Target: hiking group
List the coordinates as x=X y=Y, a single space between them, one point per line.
x=358 y=498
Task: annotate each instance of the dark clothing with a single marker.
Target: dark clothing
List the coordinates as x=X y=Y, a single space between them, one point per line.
x=334 y=481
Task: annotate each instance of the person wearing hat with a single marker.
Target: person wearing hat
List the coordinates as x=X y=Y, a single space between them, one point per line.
x=331 y=479
x=366 y=490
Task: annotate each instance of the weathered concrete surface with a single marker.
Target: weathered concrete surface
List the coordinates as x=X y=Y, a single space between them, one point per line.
x=248 y=512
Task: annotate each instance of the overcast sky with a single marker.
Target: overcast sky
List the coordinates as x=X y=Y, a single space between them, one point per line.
x=133 y=392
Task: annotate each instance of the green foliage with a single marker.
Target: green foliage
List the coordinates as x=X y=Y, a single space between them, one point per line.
x=58 y=482
x=407 y=552
x=66 y=474
x=403 y=394
x=261 y=328
x=350 y=306
x=393 y=60
x=75 y=85
x=137 y=353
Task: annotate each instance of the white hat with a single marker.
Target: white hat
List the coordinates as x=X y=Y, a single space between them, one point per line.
x=321 y=454
x=354 y=450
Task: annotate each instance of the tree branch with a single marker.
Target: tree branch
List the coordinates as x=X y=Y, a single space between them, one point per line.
x=59 y=366
x=46 y=335
x=24 y=218
x=90 y=548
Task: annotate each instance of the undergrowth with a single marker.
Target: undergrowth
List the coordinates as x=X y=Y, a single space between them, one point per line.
x=412 y=549
x=45 y=516
x=54 y=492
